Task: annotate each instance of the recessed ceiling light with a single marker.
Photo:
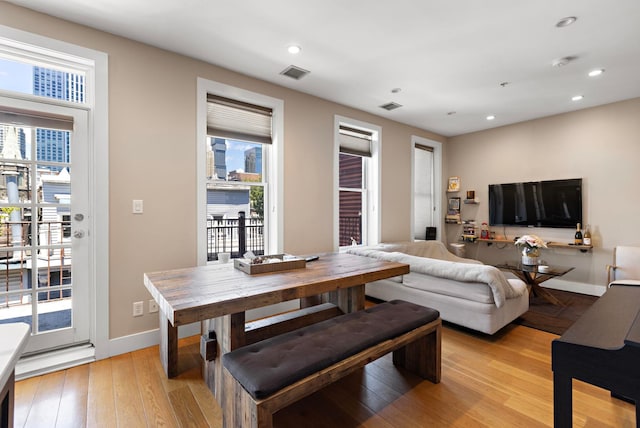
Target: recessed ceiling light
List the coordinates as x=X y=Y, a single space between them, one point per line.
x=396 y=90
x=294 y=49
x=597 y=72
x=451 y=113
x=565 y=22
x=577 y=98
x=491 y=117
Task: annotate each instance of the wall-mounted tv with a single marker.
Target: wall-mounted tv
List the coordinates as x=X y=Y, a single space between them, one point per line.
x=552 y=203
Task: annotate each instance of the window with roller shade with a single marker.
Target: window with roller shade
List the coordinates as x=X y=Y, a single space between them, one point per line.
x=357 y=186
x=423 y=190
x=239 y=136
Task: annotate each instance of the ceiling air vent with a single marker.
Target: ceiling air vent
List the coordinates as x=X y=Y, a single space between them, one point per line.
x=294 y=72
x=390 y=106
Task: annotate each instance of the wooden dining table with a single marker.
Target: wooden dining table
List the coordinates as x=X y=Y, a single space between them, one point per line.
x=218 y=295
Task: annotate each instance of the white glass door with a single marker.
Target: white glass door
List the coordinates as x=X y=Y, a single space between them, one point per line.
x=44 y=222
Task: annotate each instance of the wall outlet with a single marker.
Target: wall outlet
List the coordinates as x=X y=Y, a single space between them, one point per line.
x=153 y=306
x=138 y=309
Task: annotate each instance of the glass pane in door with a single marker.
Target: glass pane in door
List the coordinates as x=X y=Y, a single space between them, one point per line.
x=36 y=284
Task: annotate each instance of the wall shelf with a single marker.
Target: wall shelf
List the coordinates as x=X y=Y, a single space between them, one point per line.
x=582 y=248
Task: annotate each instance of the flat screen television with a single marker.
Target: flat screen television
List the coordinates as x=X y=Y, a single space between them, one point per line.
x=552 y=203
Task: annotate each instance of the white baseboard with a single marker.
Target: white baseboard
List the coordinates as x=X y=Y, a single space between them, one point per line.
x=148 y=338
x=144 y=339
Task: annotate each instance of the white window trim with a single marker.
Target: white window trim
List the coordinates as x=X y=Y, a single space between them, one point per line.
x=437 y=183
x=275 y=223
x=373 y=184
x=97 y=83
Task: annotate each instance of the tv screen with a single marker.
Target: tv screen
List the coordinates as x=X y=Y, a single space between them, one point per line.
x=553 y=203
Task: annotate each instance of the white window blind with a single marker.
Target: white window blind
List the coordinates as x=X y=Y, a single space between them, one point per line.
x=355 y=141
x=22 y=118
x=236 y=120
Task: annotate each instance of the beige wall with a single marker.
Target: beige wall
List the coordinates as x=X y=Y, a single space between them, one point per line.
x=601 y=145
x=152 y=138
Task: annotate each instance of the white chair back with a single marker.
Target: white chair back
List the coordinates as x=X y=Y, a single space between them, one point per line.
x=626 y=262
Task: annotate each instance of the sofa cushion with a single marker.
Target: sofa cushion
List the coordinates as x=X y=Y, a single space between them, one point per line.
x=474 y=291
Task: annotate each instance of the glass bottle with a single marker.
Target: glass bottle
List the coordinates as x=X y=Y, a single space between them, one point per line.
x=586 y=236
x=578 y=236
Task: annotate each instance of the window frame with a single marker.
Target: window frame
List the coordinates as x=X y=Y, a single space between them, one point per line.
x=273 y=164
x=437 y=183
x=371 y=176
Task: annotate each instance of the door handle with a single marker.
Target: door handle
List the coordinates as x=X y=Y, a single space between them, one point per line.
x=78 y=234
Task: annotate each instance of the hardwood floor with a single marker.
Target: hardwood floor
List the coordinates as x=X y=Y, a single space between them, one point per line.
x=499 y=381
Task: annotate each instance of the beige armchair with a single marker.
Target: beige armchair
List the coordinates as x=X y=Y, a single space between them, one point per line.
x=626 y=266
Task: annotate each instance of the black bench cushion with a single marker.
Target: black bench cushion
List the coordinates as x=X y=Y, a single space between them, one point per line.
x=269 y=365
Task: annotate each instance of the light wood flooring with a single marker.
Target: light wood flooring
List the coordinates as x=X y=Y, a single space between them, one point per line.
x=500 y=381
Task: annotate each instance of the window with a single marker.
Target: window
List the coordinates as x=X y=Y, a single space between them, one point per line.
x=426 y=167
x=240 y=201
x=357 y=183
x=19 y=74
x=238 y=140
x=422 y=190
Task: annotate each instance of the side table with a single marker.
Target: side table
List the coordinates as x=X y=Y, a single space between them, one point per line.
x=534 y=275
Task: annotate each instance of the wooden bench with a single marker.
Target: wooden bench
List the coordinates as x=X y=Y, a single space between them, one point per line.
x=269 y=375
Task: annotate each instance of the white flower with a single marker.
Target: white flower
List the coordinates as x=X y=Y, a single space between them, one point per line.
x=530 y=241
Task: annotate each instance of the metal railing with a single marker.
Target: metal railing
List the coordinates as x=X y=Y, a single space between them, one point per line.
x=350 y=230
x=235 y=236
x=53 y=262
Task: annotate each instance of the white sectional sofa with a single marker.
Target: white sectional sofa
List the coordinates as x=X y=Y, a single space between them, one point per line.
x=465 y=291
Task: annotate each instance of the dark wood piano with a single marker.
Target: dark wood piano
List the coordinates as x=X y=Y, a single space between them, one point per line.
x=602 y=348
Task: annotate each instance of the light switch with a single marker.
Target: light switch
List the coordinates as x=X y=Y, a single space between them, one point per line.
x=137 y=206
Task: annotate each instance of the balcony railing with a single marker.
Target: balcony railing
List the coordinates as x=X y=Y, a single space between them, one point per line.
x=235 y=236
x=49 y=272
x=350 y=230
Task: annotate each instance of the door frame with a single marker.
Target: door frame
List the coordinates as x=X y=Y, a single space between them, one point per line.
x=97 y=101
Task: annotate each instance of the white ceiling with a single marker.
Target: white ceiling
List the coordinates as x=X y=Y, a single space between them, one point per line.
x=445 y=55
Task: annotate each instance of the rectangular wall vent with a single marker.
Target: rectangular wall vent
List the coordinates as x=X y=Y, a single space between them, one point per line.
x=294 y=72
x=390 y=106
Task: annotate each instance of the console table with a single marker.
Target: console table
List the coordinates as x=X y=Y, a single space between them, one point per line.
x=14 y=339
x=534 y=275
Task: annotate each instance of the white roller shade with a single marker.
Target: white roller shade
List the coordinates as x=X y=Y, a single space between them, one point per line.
x=24 y=118
x=355 y=141
x=235 y=120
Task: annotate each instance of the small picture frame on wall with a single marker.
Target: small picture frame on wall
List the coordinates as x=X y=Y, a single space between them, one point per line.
x=454 y=184
x=454 y=206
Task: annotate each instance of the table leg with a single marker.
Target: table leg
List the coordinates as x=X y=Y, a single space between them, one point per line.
x=540 y=291
x=168 y=346
x=562 y=401
x=348 y=299
x=534 y=283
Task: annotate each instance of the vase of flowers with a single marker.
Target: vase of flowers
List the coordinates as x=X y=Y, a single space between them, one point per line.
x=531 y=245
